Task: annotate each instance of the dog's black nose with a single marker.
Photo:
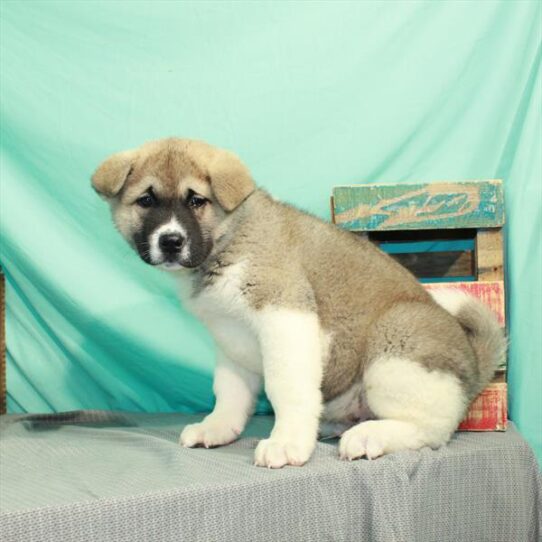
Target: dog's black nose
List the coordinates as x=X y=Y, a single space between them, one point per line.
x=171 y=242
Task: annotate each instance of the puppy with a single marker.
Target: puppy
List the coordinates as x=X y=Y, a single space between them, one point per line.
x=343 y=337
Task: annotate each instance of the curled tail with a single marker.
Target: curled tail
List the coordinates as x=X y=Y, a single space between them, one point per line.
x=482 y=328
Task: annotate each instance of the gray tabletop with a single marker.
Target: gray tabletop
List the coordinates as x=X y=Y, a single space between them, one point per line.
x=123 y=477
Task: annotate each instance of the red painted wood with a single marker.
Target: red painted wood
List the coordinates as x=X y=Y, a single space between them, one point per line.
x=488 y=412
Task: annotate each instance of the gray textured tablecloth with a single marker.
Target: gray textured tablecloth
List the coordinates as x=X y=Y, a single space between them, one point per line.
x=123 y=477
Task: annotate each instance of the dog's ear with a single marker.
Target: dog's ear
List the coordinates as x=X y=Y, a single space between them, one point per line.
x=111 y=174
x=230 y=179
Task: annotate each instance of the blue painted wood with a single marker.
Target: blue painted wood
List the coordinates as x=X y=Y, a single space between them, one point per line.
x=433 y=280
x=392 y=247
x=442 y=205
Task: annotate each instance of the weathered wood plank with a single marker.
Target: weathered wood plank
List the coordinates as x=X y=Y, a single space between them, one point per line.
x=491 y=293
x=489 y=254
x=438 y=264
x=469 y=204
x=489 y=411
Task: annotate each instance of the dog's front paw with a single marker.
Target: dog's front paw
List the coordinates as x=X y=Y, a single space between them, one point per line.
x=209 y=433
x=275 y=453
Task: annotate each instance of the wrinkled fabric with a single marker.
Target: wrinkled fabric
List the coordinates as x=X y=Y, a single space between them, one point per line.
x=309 y=94
x=123 y=477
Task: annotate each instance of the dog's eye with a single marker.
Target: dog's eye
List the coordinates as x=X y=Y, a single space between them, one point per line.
x=195 y=200
x=145 y=201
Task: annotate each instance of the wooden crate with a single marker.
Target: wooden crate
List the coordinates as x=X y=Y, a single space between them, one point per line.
x=414 y=224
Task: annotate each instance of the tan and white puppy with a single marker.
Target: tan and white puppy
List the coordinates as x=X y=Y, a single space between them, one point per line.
x=342 y=336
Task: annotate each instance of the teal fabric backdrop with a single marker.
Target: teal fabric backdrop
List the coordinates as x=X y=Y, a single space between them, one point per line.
x=309 y=94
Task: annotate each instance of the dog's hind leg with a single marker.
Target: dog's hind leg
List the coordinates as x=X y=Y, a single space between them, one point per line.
x=414 y=407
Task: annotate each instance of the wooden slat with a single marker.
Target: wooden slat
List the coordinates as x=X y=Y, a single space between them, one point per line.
x=437 y=264
x=489 y=254
x=442 y=205
x=489 y=411
x=490 y=292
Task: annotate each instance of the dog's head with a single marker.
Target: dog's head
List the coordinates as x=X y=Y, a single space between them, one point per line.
x=169 y=197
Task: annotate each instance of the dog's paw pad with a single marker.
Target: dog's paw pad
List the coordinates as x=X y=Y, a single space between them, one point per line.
x=362 y=440
x=208 y=434
x=190 y=436
x=274 y=453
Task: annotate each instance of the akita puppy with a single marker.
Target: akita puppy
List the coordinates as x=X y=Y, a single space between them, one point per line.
x=342 y=337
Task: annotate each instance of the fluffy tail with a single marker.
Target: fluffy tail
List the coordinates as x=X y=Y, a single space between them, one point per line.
x=481 y=326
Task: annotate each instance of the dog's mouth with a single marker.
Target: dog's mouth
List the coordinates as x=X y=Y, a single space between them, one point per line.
x=168 y=262
x=168 y=265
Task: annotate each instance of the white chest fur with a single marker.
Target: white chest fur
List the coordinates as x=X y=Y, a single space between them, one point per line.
x=227 y=315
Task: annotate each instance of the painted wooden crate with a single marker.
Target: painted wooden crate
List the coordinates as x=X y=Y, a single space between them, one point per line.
x=420 y=206
x=413 y=223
